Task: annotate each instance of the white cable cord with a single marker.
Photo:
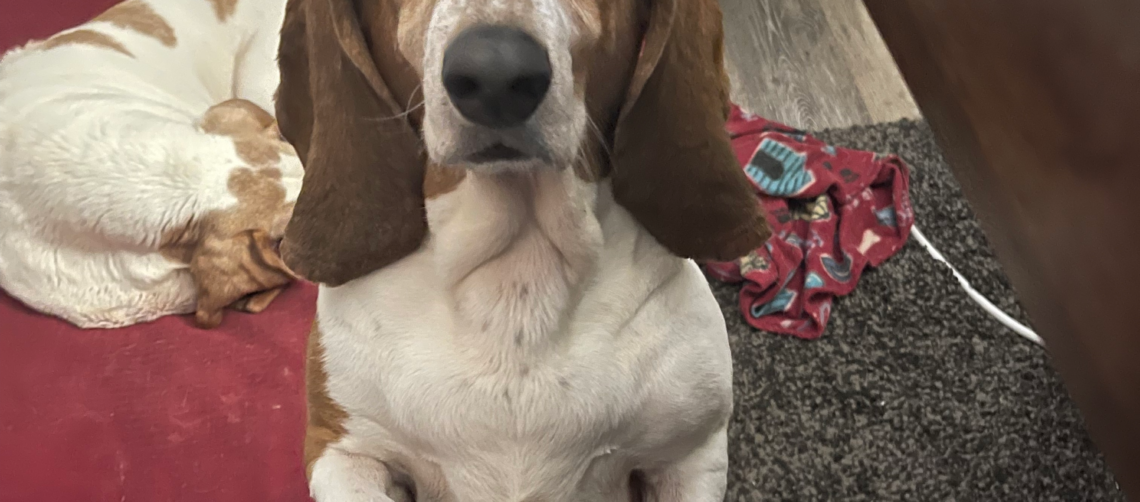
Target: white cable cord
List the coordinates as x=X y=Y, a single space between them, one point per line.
x=986 y=305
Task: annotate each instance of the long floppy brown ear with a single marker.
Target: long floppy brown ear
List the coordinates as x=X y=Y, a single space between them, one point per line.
x=361 y=206
x=673 y=165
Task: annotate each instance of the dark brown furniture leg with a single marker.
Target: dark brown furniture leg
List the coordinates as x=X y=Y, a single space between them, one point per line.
x=1036 y=104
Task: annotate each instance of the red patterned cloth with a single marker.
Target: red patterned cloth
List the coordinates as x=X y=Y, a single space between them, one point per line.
x=833 y=212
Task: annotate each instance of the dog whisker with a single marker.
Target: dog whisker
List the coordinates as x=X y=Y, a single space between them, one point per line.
x=600 y=135
x=401 y=115
x=408 y=109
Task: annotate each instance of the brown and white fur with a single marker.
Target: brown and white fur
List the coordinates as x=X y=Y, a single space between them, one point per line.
x=141 y=171
x=525 y=330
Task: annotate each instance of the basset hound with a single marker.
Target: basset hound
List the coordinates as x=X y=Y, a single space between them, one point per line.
x=141 y=171
x=502 y=203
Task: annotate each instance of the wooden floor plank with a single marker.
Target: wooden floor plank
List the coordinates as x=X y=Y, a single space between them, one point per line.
x=813 y=64
x=885 y=94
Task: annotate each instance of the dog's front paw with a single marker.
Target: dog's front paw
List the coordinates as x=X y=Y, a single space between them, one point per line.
x=342 y=477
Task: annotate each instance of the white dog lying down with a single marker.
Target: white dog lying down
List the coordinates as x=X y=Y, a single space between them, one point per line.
x=132 y=184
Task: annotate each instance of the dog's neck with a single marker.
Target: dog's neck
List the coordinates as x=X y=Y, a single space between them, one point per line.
x=513 y=250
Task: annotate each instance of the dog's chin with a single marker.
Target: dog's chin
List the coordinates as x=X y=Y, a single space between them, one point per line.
x=498 y=153
x=498 y=157
x=488 y=150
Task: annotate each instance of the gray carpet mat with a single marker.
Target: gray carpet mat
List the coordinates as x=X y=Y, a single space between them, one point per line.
x=913 y=392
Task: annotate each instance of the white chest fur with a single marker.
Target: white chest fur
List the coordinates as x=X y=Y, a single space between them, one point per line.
x=527 y=357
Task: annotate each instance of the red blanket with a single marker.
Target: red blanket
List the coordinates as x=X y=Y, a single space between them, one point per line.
x=23 y=20
x=154 y=412
x=833 y=212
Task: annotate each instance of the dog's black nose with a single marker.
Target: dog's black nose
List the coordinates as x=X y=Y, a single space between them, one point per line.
x=496 y=76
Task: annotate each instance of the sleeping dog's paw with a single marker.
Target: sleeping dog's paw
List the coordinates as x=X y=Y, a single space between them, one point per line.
x=233 y=251
x=244 y=271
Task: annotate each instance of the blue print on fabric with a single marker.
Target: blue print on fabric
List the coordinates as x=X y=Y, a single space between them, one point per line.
x=778 y=304
x=887 y=217
x=813 y=281
x=838 y=270
x=779 y=170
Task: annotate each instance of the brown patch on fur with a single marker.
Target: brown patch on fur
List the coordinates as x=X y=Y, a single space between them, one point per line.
x=235 y=117
x=326 y=417
x=361 y=206
x=257 y=302
x=233 y=254
x=85 y=37
x=674 y=168
x=256 y=137
x=137 y=16
x=224 y=8
x=258 y=152
x=602 y=65
x=588 y=14
x=442 y=180
x=660 y=107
